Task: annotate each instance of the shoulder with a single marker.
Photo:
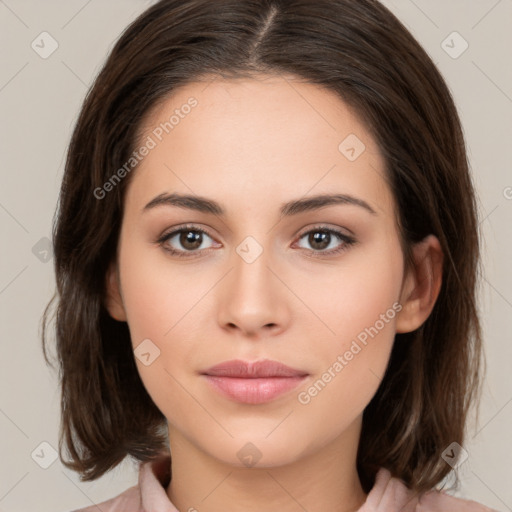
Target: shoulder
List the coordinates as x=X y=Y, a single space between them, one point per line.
x=127 y=501
x=391 y=494
x=441 y=501
x=148 y=495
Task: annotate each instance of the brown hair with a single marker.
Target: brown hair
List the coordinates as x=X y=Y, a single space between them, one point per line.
x=363 y=53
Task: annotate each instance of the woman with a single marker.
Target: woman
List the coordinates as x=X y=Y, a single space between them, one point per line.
x=266 y=255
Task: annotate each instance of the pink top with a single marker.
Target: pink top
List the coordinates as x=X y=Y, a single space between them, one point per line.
x=387 y=495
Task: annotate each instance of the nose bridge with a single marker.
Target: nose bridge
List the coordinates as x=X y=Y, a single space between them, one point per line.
x=253 y=296
x=253 y=254
x=252 y=278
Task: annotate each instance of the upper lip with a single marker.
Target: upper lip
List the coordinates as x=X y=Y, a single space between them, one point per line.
x=253 y=370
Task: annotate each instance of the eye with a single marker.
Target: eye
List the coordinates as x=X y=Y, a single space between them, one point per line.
x=189 y=239
x=321 y=237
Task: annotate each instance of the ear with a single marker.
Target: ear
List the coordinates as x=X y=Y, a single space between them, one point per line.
x=113 y=300
x=421 y=285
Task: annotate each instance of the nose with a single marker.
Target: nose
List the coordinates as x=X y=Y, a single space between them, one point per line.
x=252 y=298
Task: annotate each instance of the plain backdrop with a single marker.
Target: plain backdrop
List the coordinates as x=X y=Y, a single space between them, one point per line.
x=39 y=102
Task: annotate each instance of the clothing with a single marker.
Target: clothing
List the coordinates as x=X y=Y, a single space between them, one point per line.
x=387 y=495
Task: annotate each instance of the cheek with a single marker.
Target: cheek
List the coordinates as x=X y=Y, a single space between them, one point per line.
x=162 y=303
x=358 y=304
x=157 y=295
x=362 y=291
x=354 y=361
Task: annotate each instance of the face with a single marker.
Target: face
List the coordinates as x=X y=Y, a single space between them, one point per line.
x=317 y=287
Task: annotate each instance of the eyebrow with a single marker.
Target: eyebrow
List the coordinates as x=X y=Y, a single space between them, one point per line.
x=294 y=207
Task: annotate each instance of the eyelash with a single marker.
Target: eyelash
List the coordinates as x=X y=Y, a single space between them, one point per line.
x=347 y=241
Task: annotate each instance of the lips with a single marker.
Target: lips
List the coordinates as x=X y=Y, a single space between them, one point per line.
x=253 y=383
x=258 y=369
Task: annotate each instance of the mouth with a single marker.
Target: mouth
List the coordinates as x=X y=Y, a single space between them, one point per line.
x=253 y=383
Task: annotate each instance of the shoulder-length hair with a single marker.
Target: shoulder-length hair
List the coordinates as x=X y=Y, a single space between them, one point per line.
x=362 y=52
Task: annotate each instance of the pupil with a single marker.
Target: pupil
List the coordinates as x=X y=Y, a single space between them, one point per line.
x=190 y=239
x=321 y=238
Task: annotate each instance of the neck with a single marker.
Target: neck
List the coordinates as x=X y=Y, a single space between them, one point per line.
x=324 y=480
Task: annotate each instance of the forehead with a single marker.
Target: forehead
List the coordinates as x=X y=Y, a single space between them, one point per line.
x=262 y=138
x=258 y=109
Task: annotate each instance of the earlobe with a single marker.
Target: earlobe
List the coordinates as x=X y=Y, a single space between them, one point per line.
x=421 y=285
x=113 y=299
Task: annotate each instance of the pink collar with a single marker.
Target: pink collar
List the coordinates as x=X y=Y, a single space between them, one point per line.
x=387 y=495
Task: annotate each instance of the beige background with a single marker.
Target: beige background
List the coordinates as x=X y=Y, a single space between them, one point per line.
x=39 y=102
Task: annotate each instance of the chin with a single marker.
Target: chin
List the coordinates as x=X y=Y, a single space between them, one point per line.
x=256 y=451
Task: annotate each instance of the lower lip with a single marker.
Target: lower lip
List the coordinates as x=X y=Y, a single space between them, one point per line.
x=253 y=391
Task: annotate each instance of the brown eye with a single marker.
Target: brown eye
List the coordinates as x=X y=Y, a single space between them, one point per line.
x=190 y=240
x=184 y=241
x=321 y=238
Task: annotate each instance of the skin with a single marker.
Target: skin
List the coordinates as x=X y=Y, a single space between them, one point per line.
x=252 y=145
